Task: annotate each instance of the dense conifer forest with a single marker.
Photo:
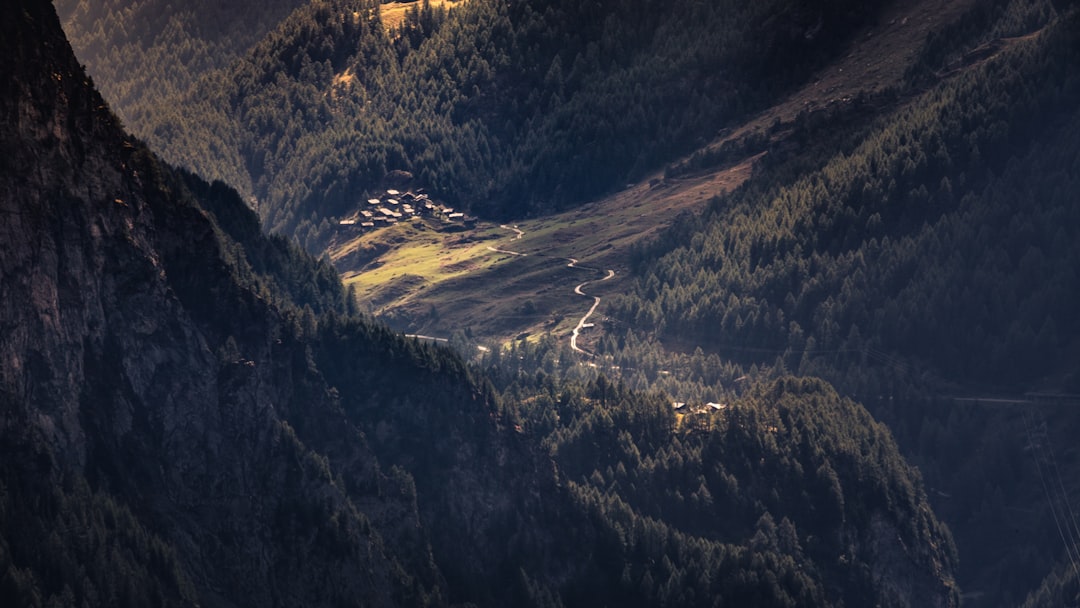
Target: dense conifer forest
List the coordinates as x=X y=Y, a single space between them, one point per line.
x=191 y=413
x=918 y=250
x=801 y=384
x=941 y=231
x=920 y=256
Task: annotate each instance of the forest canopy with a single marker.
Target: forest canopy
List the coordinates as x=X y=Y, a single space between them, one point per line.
x=510 y=109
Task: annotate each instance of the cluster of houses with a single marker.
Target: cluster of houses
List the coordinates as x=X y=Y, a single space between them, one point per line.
x=682 y=405
x=395 y=206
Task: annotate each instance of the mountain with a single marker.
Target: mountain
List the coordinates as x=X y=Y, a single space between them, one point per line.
x=893 y=212
x=919 y=252
x=153 y=451
x=908 y=235
x=149 y=53
x=940 y=231
x=507 y=108
x=190 y=414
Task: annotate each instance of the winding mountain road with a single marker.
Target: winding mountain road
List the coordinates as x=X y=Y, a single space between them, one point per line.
x=516 y=237
x=596 y=302
x=577 y=290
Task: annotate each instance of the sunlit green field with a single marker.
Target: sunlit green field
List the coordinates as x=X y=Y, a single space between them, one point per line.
x=393 y=13
x=420 y=277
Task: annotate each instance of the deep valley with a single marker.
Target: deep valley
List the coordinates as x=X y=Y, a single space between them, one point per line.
x=540 y=303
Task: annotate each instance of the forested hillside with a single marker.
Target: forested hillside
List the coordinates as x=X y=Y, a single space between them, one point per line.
x=147 y=53
x=763 y=467
x=942 y=232
x=921 y=257
x=508 y=108
x=190 y=415
x=916 y=247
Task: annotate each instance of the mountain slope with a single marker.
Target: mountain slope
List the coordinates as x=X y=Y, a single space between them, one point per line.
x=132 y=404
x=472 y=287
x=508 y=108
x=922 y=233
x=921 y=256
x=149 y=53
x=189 y=416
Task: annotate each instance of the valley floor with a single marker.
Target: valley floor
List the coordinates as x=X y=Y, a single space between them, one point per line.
x=421 y=280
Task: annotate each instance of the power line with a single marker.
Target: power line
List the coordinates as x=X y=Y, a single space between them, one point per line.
x=1074 y=530
x=1069 y=549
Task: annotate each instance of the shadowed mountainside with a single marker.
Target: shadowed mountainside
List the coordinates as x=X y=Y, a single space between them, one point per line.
x=189 y=415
